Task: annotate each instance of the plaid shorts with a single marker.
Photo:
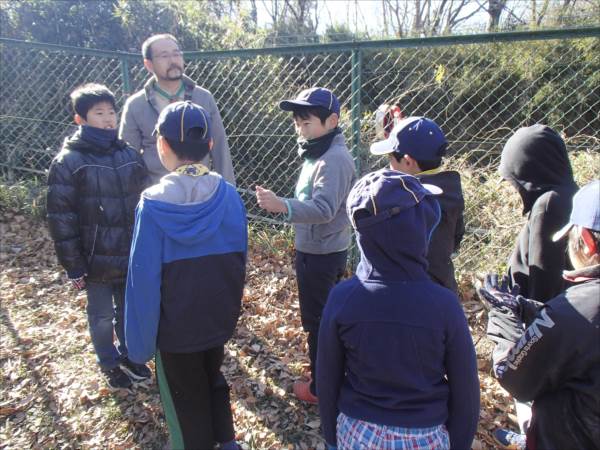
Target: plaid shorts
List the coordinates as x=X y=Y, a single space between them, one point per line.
x=354 y=434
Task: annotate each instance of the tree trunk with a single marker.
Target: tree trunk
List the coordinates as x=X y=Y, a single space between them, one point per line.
x=495 y=8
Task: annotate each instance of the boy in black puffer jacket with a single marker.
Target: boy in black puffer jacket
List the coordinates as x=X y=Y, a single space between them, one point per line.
x=94 y=184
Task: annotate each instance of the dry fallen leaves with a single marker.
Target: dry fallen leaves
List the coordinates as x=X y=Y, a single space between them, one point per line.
x=53 y=396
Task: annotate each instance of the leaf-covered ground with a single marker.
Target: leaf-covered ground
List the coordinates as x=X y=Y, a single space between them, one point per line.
x=52 y=395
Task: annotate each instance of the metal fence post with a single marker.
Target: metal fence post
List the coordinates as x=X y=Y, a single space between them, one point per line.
x=355 y=113
x=355 y=105
x=125 y=76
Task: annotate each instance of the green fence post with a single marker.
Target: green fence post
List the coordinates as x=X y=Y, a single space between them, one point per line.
x=125 y=75
x=355 y=114
x=355 y=105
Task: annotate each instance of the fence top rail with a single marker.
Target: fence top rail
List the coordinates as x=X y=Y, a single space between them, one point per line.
x=436 y=41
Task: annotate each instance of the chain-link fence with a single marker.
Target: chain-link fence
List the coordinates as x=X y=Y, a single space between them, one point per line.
x=479 y=89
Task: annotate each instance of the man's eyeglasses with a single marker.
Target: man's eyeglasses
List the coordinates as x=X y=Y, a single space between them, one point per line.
x=175 y=54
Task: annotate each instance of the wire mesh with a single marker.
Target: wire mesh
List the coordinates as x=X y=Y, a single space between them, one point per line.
x=479 y=93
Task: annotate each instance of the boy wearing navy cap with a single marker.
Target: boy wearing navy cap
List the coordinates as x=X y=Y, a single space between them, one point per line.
x=396 y=363
x=186 y=279
x=549 y=353
x=416 y=146
x=322 y=231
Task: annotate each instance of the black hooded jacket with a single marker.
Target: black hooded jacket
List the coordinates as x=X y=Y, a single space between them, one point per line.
x=449 y=233
x=92 y=195
x=555 y=362
x=536 y=163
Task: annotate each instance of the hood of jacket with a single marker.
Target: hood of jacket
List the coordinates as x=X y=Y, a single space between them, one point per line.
x=189 y=210
x=535 y=160
x=449 y=181
x=396 y=249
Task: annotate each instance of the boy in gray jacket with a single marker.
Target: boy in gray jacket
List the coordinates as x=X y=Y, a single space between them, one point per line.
x=317 y=211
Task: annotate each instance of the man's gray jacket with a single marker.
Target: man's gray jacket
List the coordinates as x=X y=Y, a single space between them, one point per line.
x=141 y=113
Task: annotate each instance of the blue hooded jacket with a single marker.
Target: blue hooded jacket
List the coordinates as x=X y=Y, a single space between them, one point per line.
x=394 y=346
x=187 y=266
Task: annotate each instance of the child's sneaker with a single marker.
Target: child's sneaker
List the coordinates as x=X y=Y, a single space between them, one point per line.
x=509 y=439
x=116 y=379
x=302 y=391
x=136 y=372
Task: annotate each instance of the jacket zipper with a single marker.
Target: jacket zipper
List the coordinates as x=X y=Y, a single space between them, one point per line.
x=121 y=195
x=93 y=244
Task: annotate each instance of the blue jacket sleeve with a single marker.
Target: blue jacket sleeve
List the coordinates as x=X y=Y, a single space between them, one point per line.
x=461 y=369
x=330 y=369
x=142 y=294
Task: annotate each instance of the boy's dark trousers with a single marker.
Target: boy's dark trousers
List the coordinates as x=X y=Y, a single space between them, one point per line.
x=195 y=398
x=105 y=309
x=316 y=275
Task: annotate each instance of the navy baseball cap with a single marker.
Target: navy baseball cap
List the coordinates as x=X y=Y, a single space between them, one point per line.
x=184 y=122
x=383 y=194
x=418 y=137
x=316 y=96
x=585 y=212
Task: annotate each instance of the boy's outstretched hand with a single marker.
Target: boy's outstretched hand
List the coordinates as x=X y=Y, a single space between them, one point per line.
x=269 y=201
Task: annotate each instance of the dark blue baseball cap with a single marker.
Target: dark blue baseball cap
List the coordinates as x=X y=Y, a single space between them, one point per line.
x=316 y=96
x=585 y=212
x=384 y=194
x=418 y=137
x=184 y=122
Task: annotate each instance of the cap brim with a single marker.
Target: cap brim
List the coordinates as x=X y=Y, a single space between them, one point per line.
x=290 y=105
x=383 y=147
x=560 y=234
x=433 y=189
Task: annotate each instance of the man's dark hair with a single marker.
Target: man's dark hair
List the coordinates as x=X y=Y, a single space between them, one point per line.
x=192 y=149
x=304 y=112
x=147 y=45
x=84 y=97
x=425 y=165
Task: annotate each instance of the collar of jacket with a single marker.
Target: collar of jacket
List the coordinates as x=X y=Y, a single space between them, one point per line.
x=150 y=92
x=584 y=274
x=429 y=172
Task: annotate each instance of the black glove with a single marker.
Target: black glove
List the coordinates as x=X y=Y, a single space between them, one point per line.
x=497 y=293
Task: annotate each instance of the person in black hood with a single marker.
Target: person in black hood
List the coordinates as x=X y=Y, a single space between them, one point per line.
x=415 y=146
x=535 y=162
x=94 y=184
x=549 y=353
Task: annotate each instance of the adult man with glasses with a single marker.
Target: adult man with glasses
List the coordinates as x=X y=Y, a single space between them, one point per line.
x=164 y=60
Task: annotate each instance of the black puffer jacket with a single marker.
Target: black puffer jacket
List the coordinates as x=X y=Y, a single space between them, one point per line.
x=536 y=163
x=92 y=195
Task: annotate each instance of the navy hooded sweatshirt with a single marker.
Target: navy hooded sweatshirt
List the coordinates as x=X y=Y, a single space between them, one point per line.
x=187 y=266
x=394 y=346
x=536 y=163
